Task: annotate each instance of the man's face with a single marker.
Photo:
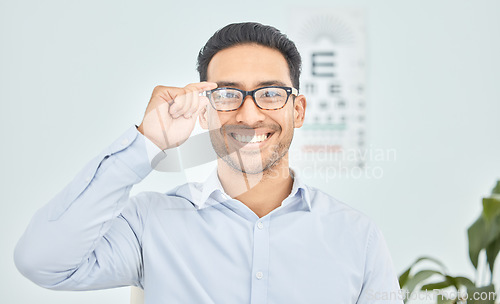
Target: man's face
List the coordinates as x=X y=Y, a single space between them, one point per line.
x=248 y=67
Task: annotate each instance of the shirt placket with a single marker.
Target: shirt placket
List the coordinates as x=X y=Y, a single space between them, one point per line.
x=260 y=265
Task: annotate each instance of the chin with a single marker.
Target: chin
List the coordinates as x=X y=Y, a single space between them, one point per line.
x=252 y=166
x=251 y=161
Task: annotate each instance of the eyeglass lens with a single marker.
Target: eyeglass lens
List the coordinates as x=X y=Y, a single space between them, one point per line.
x=266 y=98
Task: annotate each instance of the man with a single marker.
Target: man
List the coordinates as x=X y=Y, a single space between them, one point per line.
x=252 y=233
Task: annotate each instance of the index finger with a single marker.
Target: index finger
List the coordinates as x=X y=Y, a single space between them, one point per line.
x=169 y=94
x=201 y=86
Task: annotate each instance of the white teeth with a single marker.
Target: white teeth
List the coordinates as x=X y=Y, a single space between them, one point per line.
x=248 y=138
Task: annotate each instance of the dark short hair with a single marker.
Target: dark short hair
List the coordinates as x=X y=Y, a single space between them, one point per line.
x=250 y=32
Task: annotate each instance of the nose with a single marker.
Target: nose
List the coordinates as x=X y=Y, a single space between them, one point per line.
x=249 y=113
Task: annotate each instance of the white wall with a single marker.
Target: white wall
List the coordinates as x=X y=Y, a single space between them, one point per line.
x=75 y=74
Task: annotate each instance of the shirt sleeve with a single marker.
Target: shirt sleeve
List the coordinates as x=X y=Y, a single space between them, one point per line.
x=89 y=235
x=155 y=154
x=380 y=284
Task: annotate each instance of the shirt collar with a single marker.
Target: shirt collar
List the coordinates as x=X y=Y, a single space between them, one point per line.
x=213 y=193
x=211 y=187
x=299 y=188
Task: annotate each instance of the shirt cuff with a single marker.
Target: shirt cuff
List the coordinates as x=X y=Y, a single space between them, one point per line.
x=131 y=149
x=155 y=154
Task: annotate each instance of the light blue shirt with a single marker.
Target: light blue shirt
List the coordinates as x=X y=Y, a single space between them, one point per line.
x=194 y=244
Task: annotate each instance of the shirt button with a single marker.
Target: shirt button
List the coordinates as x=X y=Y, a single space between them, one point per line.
x=260 y=225
x=259 y=275
x=124 y=142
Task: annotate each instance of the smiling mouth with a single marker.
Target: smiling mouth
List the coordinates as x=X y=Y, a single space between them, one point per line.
x=245 y=139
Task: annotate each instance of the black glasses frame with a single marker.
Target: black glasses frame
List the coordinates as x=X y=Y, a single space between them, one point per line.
x=289 y=91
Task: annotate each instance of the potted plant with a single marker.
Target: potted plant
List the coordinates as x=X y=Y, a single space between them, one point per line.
x=483 y=235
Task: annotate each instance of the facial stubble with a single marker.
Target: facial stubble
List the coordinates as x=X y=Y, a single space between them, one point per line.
x=239 y=159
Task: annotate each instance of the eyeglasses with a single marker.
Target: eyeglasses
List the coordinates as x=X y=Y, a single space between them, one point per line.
x=266 y=98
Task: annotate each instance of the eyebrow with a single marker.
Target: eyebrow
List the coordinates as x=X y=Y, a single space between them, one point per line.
x=232 y=84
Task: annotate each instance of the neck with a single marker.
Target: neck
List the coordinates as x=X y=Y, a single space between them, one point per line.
x=261 y=192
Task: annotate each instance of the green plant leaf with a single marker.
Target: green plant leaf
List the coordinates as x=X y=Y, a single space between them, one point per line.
x=486 y=292
x=491 y=214
x=492 y=250
x=453 y=281
x=419 y=277
x=485 y=231
x=496 y=190
x=463 y=281
x=403 y=278
x=492 y=231
x=476 y=234
x=439 y=285
x=443 y=300
x=491 y=208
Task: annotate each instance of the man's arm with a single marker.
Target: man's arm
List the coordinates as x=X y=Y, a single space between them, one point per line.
x=80 y=239
x=88 y=237
x=380 y=284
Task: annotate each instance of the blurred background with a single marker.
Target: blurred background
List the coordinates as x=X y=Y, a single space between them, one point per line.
x=75 y=75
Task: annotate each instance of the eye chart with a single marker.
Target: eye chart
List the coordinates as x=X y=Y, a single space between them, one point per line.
x=332 y=46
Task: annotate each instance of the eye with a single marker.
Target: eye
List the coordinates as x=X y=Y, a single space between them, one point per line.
x=229 y=94
x=272 y=93
x=226 y=95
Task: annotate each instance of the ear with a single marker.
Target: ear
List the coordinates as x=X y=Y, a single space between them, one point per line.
x=299 y=110
x=203 y=118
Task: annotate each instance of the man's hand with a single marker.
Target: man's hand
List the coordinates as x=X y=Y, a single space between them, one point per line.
x=172 y=112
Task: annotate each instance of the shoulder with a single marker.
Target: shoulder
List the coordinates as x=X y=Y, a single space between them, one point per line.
x=181 y=196
x=338 y=213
